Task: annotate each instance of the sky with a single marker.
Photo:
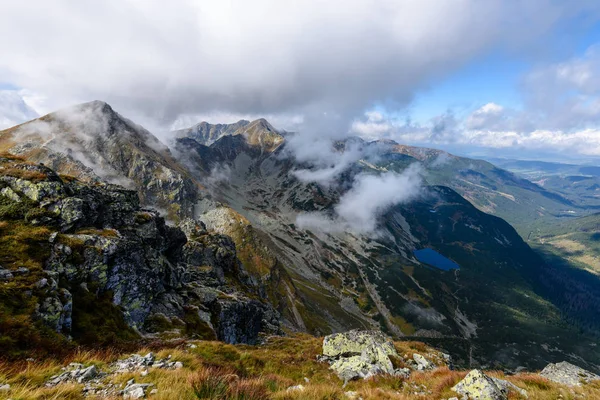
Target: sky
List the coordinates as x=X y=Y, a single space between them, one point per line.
x=479 y=78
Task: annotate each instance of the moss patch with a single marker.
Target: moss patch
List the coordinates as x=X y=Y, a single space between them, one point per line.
x=97 y=321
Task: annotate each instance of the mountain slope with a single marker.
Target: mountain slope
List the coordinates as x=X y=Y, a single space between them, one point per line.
x=343 y=279
x=493 y=190
x=92 y=142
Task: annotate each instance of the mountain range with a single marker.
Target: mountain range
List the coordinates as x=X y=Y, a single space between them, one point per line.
x=412 y=241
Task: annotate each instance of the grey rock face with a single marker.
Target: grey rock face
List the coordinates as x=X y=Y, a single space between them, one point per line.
x=108 y=243
x=56 y=310
x=243 y=321
x=568 y=374
x=360 y=354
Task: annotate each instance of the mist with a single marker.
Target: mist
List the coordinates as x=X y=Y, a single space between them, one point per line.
x=359 y=209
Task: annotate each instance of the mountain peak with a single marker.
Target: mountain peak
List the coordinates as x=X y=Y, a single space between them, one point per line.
x=263 y=123
x=261 y=133
x=206 y=133
x=95 y=107
x=257 y=133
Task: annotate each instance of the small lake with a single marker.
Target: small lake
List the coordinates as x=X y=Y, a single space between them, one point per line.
x=435 y=259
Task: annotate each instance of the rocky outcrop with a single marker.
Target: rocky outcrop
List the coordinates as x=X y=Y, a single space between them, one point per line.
x=95 y=380
x=478 y=386
x=75 y=372
x=568 y=374
x=360 y=354
x=105 y=246
x=421 y=362
x=136 y=362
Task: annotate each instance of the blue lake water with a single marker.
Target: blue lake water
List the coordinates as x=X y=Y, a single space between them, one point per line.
x=435 y=259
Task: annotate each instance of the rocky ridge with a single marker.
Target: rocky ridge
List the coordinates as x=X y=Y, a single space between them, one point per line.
x=101 y=249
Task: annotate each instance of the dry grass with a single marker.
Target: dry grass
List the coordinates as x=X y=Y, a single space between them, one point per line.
x=33 y=176
x=219 y=371
x=107 y=232
x=11 y=157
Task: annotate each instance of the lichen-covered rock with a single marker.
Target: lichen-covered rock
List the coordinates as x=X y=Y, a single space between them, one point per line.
x=568 y=374
x=11 y=194
x=478 y=386
x=56 y=310
x=359 y=354
x=354 y=342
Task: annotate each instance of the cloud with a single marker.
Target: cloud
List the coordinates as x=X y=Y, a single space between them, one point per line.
x=219 y=174
x=326 y=61
x=13 y=109
x=561 y=111
x=326 y=162
x=560 y=118
x=376 y=126
x=488 y=116
x=360 y=208
x=565 y=96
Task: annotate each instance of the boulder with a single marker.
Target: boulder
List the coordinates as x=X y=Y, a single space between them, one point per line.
x=354 y=342
x=297 y=388
x=478 y=386
x=568 y=374
x=5 y=275
x=422 y=363
x=359 y=354
x=135 y=390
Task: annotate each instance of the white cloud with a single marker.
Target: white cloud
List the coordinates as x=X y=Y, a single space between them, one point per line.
x=360 y=208
x=326 y=163
x=13 y=109
x=560 y=117
x=487 y=115
x=324 y=60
